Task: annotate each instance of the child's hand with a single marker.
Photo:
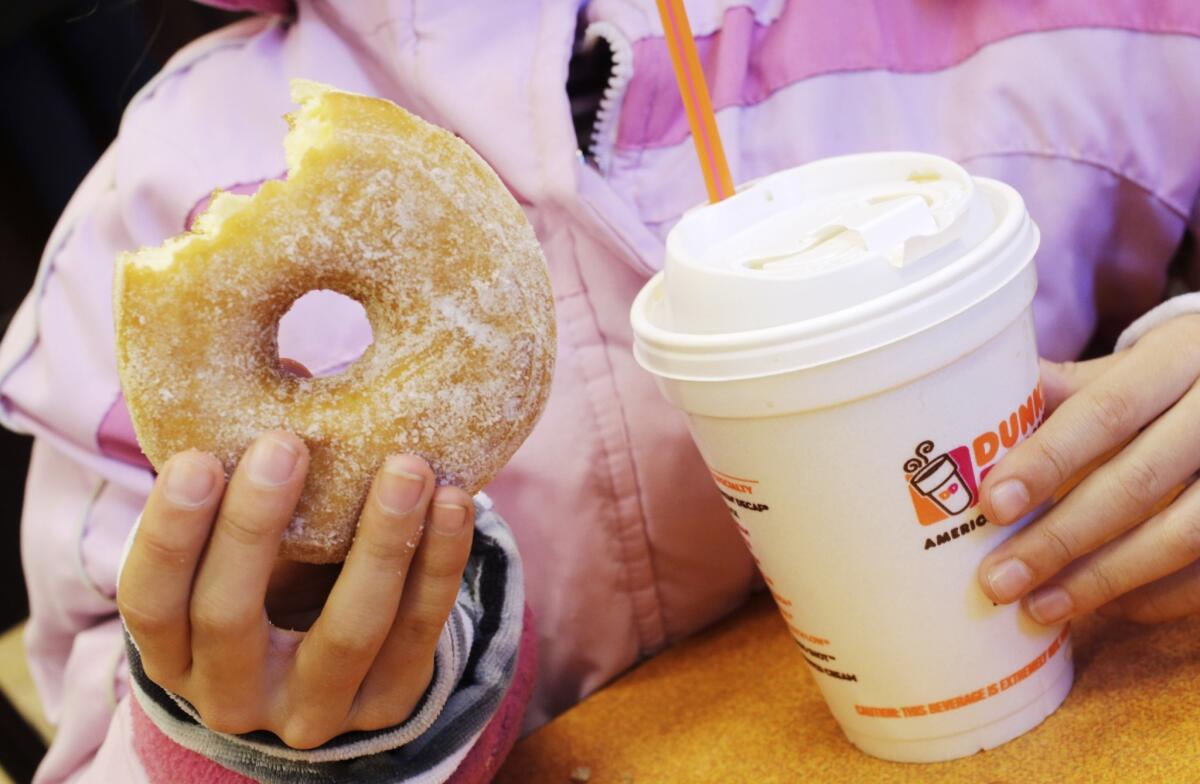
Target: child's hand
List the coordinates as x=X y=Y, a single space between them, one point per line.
x=194 y=592
x=1091 y=550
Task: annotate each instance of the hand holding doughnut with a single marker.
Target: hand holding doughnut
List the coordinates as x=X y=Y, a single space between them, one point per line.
x=195 y=587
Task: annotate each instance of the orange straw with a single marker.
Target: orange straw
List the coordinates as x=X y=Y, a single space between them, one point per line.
x=694 y=91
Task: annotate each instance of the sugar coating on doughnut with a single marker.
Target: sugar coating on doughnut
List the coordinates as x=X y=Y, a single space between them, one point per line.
x=402 y=217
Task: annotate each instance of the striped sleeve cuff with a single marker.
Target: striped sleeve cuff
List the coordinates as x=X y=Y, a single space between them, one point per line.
x=475 y=661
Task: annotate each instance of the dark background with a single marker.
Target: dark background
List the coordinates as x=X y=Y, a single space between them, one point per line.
x=67 y=69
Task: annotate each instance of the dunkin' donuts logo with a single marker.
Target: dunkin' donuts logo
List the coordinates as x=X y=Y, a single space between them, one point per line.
x=946 y=484
x=942 y=486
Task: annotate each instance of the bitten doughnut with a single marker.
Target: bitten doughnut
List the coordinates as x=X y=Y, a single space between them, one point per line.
x=395 y=213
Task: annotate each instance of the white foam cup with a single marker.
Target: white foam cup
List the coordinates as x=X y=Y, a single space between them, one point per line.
x=853 y=345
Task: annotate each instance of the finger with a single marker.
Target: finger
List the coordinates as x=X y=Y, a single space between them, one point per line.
x=229 y=627
x=1165 y=543
x=404 y=664
x=156 y=580
x=1114 y=498
x=1060 y=380
x=1101 y=416
x=1174 y=596
x=339 y=649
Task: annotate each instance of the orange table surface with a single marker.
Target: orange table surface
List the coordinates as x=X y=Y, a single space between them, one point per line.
x=736 y=704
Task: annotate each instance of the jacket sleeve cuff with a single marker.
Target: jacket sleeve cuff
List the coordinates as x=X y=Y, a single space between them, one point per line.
x=1183 y=305
x=475 y=664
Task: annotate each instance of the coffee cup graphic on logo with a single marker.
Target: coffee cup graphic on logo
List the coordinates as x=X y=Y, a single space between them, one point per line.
x=939 y=480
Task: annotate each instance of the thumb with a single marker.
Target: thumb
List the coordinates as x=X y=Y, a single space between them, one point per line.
x=1060 y=380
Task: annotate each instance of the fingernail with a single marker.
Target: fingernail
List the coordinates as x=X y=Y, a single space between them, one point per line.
x=1009 y=579
x=399 y=490
x=1050 y=605
x=271 y=461
x=1009 y=499
x=448 y=519
x=189 y=482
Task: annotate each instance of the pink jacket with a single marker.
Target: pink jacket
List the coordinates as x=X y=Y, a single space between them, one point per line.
x=1085 y=107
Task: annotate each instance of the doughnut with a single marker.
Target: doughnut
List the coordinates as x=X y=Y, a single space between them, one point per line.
x=402 y=217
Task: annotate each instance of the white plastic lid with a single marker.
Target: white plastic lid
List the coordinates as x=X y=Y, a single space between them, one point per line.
x=825 y=261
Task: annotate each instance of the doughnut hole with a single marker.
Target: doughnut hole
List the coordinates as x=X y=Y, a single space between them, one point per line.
x=325 y=331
